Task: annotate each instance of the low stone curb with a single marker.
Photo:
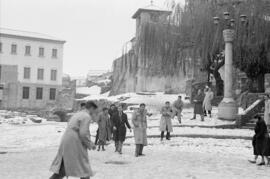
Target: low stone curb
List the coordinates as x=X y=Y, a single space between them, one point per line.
x=201 y=136
x=225 y=126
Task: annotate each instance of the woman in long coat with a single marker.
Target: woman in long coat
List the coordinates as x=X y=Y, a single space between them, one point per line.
x=139 y=122
x=103 y=123
x=166 y=120
x=260 y=141
x=120 y=122
x=207 y=102
x=198 y=105
x=72 y=157
x=267 y=110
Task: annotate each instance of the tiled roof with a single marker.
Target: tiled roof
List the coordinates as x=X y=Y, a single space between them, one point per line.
x=26 y=34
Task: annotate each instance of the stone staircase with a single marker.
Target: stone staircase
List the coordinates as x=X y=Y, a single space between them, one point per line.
x=255 y=103
x=252 y=122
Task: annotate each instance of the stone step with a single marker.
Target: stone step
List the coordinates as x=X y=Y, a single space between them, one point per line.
x=248 y=127
x=250 y=124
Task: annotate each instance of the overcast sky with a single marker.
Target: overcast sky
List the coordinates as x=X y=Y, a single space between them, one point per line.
x=95 y=30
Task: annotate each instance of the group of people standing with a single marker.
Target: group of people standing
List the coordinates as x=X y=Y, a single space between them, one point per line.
x=113 y=124
x=203 y=103
x=202 y=106
x=72 y=156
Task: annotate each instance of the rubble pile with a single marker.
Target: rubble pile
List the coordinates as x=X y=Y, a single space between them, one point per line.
x=18 y=118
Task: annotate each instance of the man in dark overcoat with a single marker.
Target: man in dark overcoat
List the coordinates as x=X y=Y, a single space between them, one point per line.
x=198 y=105
x=119 y=122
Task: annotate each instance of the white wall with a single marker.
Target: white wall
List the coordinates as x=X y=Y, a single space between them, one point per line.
x=33 y=61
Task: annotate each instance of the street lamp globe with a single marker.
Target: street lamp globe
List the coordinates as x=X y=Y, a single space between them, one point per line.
x=216 y=20
x=226 y=15
x=243 y=18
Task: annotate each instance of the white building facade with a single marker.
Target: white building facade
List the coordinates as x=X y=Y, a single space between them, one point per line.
x=31 y=69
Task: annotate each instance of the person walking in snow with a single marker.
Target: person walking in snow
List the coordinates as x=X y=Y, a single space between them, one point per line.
x=267 y=110
x=207 y=102
x=139 y=121
x=113 y=110
x=198 y=105
x=166 y=120
x=261 y=141
x=103 y=123
x=72 y=157
x=178 y=106
x=120 y=122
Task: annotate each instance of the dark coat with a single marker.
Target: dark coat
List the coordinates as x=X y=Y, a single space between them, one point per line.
x=120 y=123
x=110 y=127
x=198 y=104
x=112 y=112
x=261 y=139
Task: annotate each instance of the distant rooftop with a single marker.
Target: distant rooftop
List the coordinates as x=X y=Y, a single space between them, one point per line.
x=27 y=34
x=150 y=8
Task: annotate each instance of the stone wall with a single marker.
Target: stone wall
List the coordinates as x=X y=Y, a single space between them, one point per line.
x=8 y=73
x=133 y=73
x=13 y=96
x=66 y=96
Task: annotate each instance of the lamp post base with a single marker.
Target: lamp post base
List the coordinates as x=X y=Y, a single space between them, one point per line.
x=227 y=110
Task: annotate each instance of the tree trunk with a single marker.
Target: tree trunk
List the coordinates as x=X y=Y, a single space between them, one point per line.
x=261 y=88
x=219 y=83
x=256 y=85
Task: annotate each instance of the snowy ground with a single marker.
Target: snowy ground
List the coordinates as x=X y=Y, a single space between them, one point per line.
x=27 y=148
x=178 y=158
x=94 y=90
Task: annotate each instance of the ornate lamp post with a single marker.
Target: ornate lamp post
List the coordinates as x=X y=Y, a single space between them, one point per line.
x=228 y=108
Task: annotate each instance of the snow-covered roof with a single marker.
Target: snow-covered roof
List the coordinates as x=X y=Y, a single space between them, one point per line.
x=150 y=8
x=27 y=34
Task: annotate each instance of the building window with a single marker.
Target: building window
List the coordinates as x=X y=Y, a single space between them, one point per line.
x=53 y=75
x=13 y=49
x=54 y=53
x=52 y=93
x=40 y=74
x=41 y=52
x=27 y=50
x=26 y=73
x=1 y=46
x=39 y=93
x=26 y=91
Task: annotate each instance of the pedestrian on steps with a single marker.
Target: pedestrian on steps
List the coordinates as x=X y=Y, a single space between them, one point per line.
x=120 y=122
x=139 y=121
x=166 y=120
x=178 y=106
x=207 y=102
x=198 y=105
x=103 y=121
x=113 y=110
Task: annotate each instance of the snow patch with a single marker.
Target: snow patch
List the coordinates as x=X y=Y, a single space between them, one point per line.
x=94 y=90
